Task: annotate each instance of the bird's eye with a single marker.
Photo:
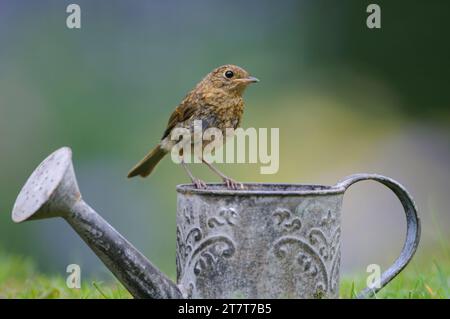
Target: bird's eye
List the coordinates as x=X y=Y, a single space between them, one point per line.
x=229 y=74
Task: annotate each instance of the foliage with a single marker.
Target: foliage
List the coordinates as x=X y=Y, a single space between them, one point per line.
x=19 y=278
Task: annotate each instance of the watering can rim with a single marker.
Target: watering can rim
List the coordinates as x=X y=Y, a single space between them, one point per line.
x=262 y=189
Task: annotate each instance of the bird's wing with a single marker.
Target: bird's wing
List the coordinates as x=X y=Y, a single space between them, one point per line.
x=183 y=112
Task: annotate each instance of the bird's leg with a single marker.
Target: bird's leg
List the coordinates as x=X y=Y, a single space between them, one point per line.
x=197 y=182
x=230 y=183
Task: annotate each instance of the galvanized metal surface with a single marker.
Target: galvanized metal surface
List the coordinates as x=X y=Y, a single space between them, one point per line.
x=413 y=227
x=271 y=240
x=267 y=241
x=259 y=245
x=52 y=191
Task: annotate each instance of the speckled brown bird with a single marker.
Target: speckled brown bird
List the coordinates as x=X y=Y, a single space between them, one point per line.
x=216 y=101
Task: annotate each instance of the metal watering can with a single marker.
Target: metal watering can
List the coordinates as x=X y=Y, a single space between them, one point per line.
x=267 y=241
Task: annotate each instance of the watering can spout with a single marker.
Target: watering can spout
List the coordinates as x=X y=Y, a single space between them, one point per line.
x=52 y=191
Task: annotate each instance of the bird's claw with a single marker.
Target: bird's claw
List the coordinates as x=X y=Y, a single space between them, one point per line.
x=232 y=184
x=198 y=183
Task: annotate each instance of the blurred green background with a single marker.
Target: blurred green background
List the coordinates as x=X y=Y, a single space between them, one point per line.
x=347 y=99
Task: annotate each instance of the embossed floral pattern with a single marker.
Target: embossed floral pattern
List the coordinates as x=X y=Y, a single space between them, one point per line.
x=316 y=249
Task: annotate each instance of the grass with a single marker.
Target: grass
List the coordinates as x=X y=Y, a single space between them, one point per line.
x=415 y=282
x=19 y=278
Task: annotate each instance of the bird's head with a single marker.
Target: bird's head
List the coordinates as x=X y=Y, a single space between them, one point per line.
x=230 y=78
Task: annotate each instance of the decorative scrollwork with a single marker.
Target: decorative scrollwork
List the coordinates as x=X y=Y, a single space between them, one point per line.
x=326 y=246
x=227 y=216
x=188 y=215
x=307 y=258
x=185 y=246
x=202 y=247
x=180 y=252
x=285 y=219
x=189 y=290
x=328 y=219
x=316 y=249
x=209 y=251
x=334 y=273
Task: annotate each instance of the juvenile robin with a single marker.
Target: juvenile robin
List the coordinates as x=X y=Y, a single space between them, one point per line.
x=217 y=102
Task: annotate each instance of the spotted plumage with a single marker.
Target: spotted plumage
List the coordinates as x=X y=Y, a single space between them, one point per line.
x=216 y=101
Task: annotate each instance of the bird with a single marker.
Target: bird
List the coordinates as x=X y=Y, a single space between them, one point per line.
x=217 y=101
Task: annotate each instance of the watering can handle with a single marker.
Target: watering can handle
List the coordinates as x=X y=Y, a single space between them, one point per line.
x=412 y=227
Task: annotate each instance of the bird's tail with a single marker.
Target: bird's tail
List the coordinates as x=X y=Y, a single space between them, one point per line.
x=148 y=163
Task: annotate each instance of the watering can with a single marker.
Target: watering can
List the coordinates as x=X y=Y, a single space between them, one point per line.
x=266 y=241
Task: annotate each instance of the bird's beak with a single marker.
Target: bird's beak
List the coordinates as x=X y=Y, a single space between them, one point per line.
x=251 y=79
x=248 y=80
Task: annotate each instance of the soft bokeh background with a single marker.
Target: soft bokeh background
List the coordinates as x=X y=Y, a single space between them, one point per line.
x=346 y=99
